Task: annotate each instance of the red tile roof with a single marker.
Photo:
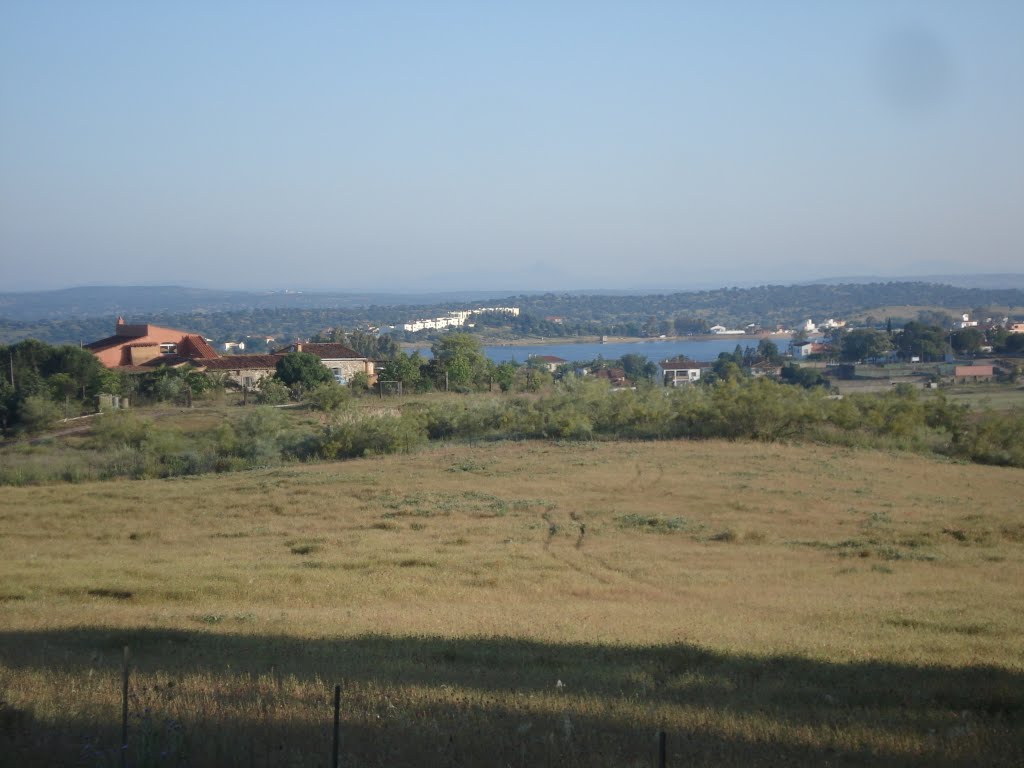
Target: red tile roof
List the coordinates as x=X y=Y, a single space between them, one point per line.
x=238 y=362
x=324 y=351
x=107 y=343
x=160 y=361
x=193 y=345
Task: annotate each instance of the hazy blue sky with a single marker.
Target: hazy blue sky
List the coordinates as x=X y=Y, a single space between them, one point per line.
x=424 y=145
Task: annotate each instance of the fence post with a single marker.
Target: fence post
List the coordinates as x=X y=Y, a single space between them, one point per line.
x=124 y=708
x=662 y=752
x=337 y=726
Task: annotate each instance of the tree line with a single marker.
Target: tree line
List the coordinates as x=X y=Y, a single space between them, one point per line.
x=129 y=444
x=562 y=314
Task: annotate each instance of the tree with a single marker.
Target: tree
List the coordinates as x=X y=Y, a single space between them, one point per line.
x=638 y=367
x=863 y=344
x=8 y=403
x=768 y=351
x=460 y=356
x=505 y=375
x=919 y=339
x=404 y=368
x=933 y=317
x=80 y=365
x=804 y=377
x=1014 y=344
x=834 y=336
x=967 y=341
x=302 y=370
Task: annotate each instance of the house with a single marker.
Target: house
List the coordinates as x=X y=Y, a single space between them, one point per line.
x=343 y=362
x=802 y=349
x=808 y=348
x=550 y=362
x=615 y=376
x=965 y=322
x=679 y=370
x=139 y=347
x=1016 y=328
x=244 y=370
x=832 y=324
x=966 y=373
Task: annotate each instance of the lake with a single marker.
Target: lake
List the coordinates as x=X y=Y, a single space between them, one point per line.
x=655 y=350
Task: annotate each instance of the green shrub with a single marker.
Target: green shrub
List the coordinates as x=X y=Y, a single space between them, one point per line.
x=329 y=396
x=38 y=414
x=271 y=392
x=120 y=428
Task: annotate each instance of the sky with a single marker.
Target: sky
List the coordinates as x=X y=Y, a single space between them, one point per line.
x=410 y=146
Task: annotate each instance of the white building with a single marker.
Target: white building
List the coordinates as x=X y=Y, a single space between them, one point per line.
x=455 y=319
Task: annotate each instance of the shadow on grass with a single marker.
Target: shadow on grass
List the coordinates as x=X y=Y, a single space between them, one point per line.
x=210 y=698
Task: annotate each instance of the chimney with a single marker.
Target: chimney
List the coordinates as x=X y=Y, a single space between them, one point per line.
x=120 y=320
x=298 y=347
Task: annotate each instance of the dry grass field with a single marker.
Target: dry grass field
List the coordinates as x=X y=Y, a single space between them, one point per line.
x=523 y=604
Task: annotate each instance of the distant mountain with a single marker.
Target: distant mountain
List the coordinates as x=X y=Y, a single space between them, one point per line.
x=152 y=301
x=1009 y=280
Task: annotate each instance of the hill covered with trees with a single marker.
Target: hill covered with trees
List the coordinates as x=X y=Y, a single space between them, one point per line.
x=549 y=315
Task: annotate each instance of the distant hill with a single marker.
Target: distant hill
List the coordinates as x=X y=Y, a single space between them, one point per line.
x=85 y=314
x=1008 y=280
x=154 y=301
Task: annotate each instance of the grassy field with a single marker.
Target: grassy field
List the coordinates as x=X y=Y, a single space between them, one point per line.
x=523 y=604
x=997 y=397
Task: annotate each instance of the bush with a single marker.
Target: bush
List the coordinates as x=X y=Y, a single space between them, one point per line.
x=38 y=414
x=329 y=396
x=994 y=439
x=372 y=436
x=359 y=384
x=271 y=392
x=120 y=429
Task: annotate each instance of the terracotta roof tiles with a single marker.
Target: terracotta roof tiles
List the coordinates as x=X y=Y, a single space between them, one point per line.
x=325 y=351
x=238 y=362
x=195 y=346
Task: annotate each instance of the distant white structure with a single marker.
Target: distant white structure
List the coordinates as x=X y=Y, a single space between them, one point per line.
x=966 y=322
x=230 y=345
x=809 y=326
x=721 y=330
x=831 y=324
x=456 y=319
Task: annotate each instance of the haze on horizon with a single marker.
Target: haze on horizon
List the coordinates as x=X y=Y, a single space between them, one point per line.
x=533 y=146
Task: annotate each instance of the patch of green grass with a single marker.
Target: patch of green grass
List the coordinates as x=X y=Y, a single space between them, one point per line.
x=304 y=548
x=659 y=524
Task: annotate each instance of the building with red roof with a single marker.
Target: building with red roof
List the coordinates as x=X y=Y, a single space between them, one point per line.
x=141 y=346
